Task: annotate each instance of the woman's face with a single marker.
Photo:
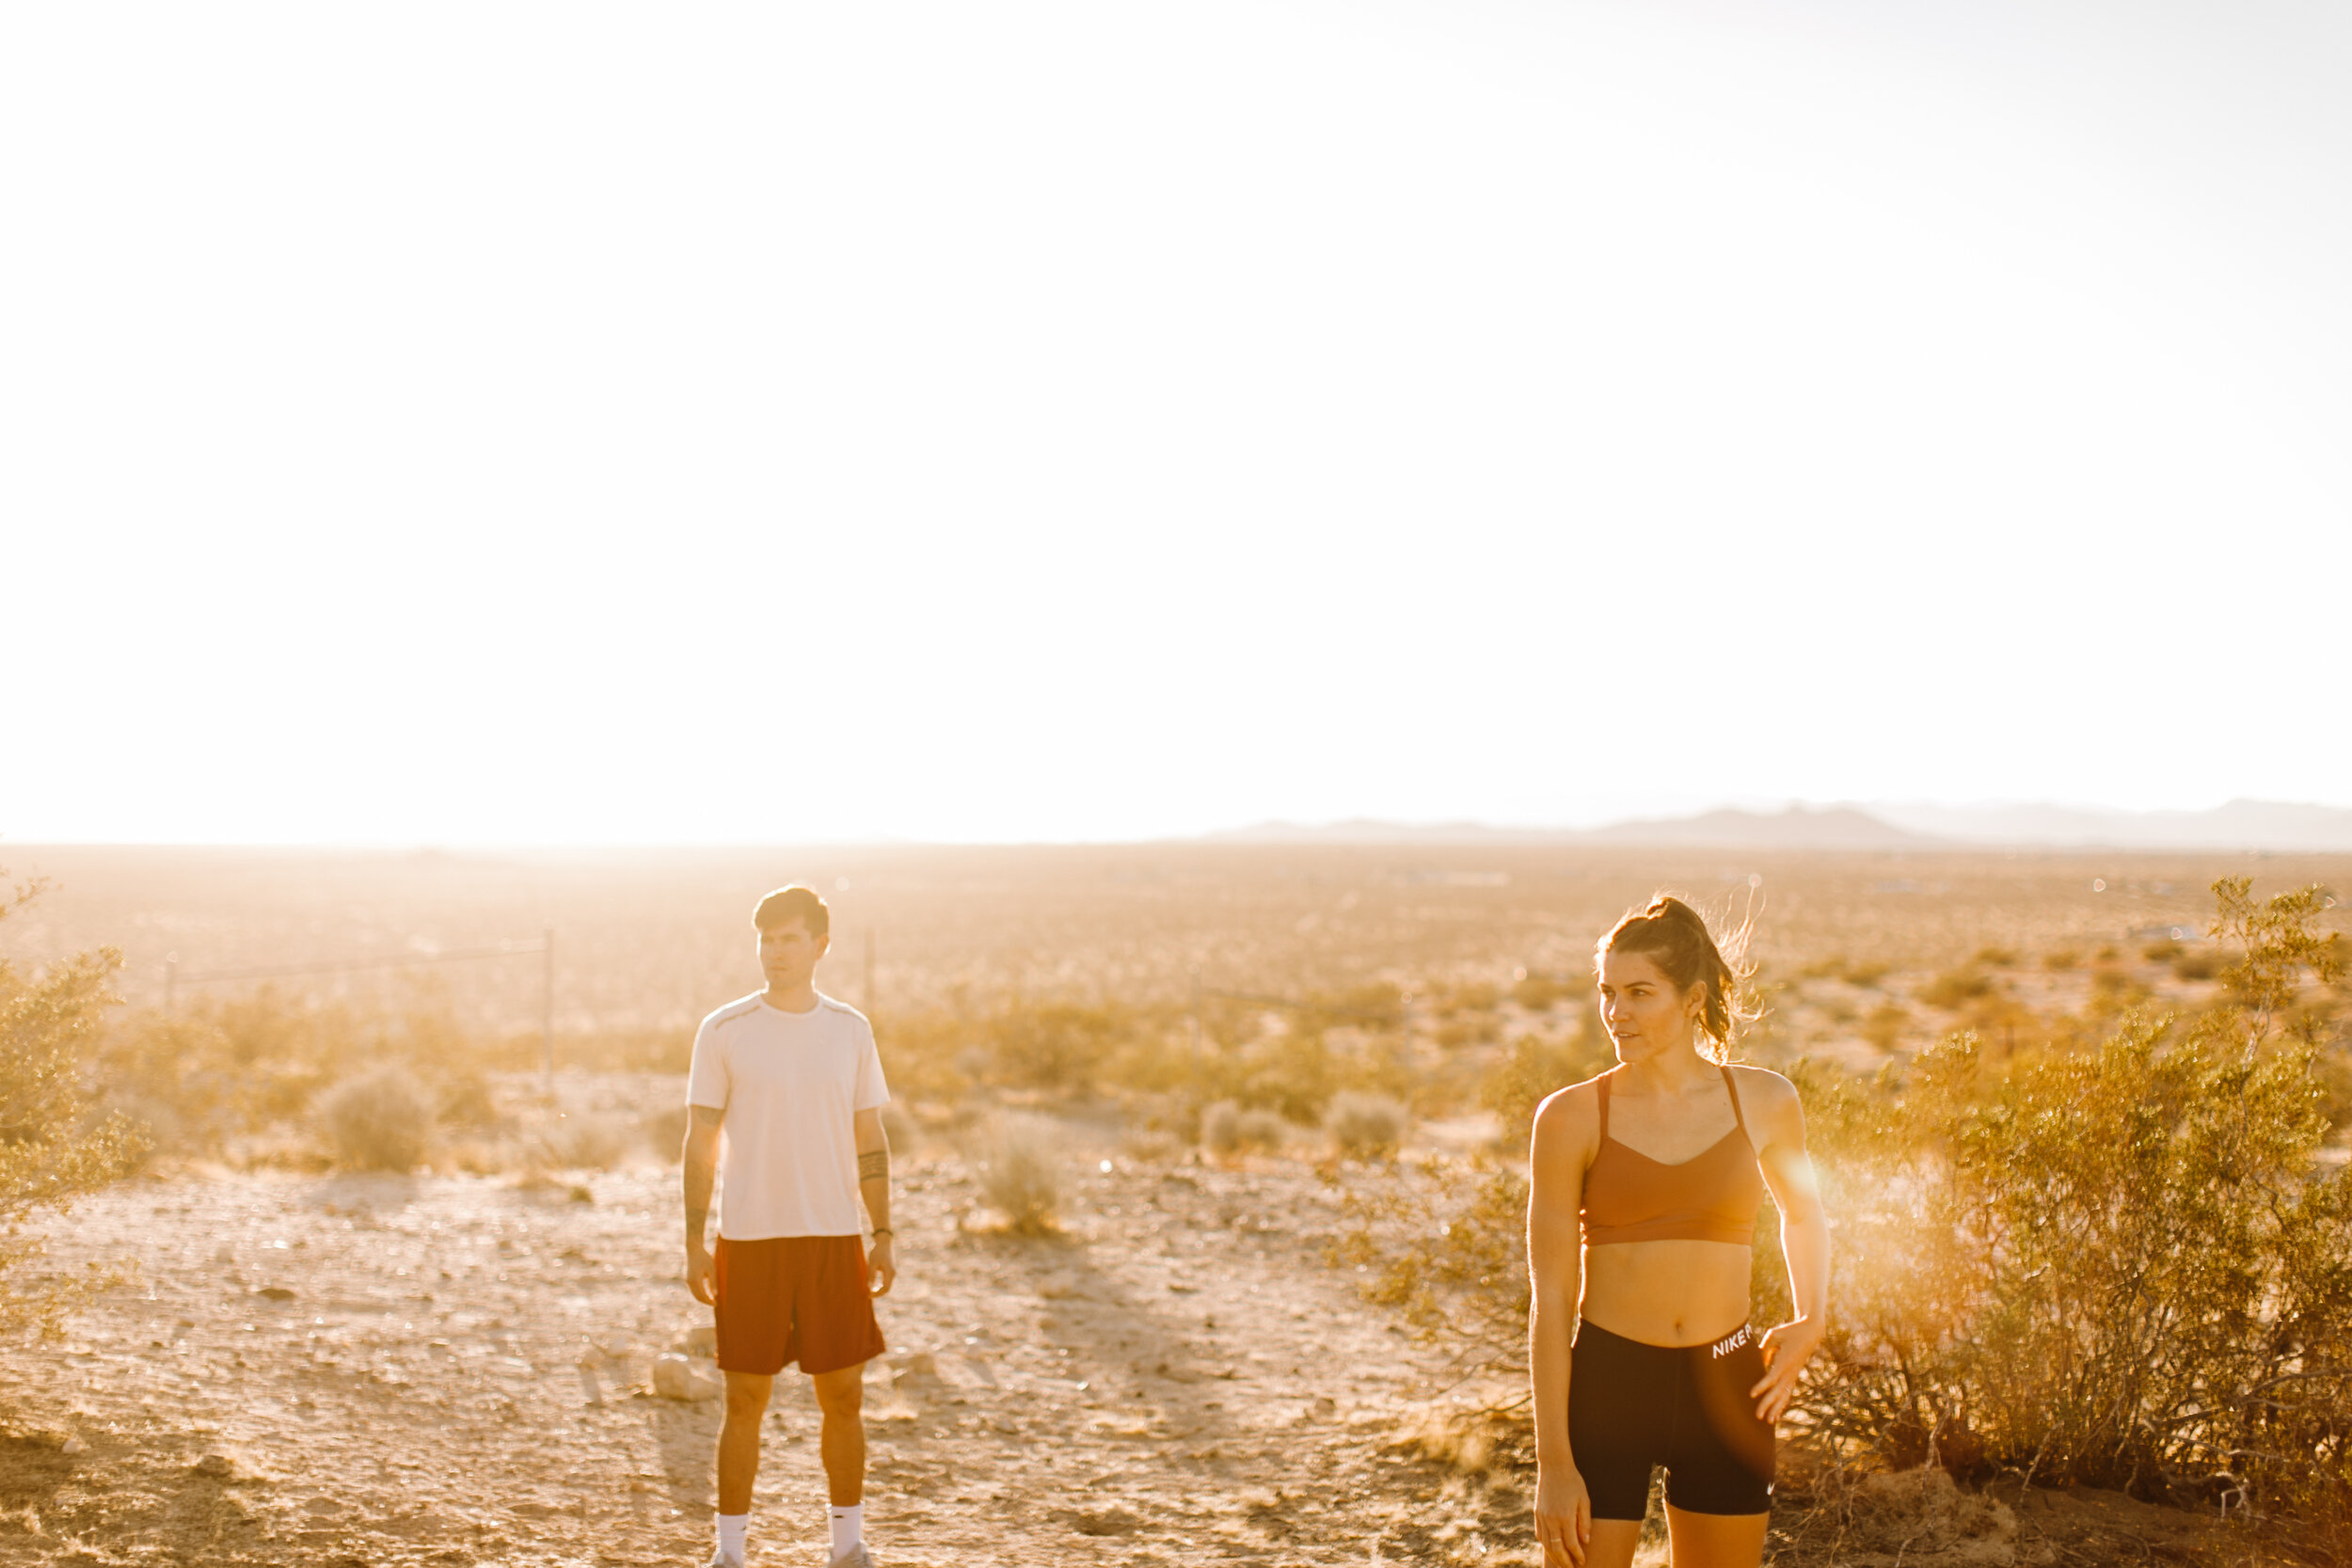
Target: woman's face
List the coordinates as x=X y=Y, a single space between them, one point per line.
x=1647 y=1017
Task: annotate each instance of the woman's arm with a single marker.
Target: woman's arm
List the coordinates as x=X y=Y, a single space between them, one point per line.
x=1564 y=1510
x=1804 y=1243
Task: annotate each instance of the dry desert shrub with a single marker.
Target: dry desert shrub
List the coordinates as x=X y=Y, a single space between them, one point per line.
x=1055 y=1046
x=1887 y=1025
x=380 y=1121
x=1019 y=1173
x=235 y=1068
x=1225 y=1128
x=1535 y=1065
x=1365 y=1126
x=1955 y=988
x=50 y=1152
x=663 y=1129
x=1444 y=1242
x=589 y=1140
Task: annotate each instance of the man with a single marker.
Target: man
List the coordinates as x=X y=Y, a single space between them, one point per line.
x=793 y=1078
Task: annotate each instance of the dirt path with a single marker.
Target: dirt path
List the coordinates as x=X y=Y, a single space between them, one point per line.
x=452 y=1371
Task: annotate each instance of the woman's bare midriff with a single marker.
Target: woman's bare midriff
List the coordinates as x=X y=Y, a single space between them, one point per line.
x=1667 y=1292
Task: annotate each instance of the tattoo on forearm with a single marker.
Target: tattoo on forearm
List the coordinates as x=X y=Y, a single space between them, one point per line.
x=874 y=1165
x=700 y=1179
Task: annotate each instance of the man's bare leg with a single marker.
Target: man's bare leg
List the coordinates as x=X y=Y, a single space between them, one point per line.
x=738 y=1439
x=841 y=1439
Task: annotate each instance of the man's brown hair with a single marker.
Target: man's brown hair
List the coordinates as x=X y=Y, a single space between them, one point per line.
x=794 y=903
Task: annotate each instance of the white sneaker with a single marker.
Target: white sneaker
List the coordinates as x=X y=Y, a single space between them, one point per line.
x=854 y=1558
x=719 y=1558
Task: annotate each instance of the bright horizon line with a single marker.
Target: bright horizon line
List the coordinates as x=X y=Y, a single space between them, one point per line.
x=1765 y=807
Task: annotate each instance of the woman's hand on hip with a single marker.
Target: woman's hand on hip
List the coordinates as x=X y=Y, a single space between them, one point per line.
x=1564 y=1515
x=1787 y=1349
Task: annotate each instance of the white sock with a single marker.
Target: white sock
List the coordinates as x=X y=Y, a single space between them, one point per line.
x=731 y=1530
x=849 y=1527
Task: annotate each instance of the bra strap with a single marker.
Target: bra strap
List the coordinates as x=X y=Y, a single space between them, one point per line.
x=1602 y=1083
x=1732 y=1090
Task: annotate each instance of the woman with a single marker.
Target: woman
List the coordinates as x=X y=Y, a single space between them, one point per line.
x=1656 y=1163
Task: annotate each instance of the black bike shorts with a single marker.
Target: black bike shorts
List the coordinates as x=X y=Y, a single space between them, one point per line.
x=1632 y=1405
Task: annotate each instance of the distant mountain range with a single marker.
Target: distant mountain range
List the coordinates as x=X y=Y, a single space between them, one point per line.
x=1880 y=825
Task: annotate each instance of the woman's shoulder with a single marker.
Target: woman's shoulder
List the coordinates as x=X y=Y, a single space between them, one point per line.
x=1765 y=1096
x=1578 y=1103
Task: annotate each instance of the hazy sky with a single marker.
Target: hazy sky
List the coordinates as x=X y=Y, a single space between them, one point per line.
x=472 y=422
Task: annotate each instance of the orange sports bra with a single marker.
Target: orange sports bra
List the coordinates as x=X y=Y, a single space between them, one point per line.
x=1710 y=1196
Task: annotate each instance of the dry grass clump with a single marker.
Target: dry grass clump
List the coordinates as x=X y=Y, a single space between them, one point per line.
x=1020 y=1172
x=380 y=1121
x=1365 y=1126
x=1225 y=1128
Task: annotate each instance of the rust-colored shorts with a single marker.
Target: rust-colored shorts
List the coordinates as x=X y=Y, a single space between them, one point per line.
x=793 y=1298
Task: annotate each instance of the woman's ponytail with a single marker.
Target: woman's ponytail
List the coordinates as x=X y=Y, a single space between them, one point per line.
x=1677 y=939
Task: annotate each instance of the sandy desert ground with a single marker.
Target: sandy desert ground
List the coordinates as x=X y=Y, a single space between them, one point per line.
x=385 y=1371
x=390 y=1371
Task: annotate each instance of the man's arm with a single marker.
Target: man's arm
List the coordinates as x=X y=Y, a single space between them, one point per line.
x=700 y=1158
x=873 y=1185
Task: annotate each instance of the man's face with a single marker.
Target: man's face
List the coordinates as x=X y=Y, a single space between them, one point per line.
x=788 y=954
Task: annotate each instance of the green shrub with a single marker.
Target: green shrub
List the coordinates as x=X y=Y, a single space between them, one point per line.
x=2124 y=1267
x=380 y=1121
x=1364 y=1126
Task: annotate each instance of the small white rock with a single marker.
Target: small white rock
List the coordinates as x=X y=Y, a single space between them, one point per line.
x=675 y=1377
x=73 y=1447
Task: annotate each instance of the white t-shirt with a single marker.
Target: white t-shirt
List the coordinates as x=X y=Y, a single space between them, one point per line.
x=790 y=1085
